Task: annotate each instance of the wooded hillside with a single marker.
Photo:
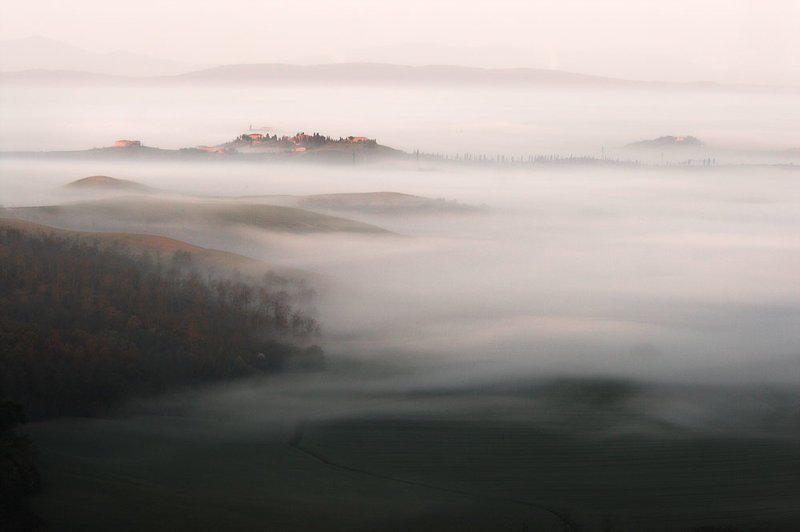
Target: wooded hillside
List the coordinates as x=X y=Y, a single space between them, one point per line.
x=83 y=326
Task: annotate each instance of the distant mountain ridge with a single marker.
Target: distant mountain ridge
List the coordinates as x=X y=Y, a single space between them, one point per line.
x=41 y=53
x=41 y=60
x=360 y=74
x=382 y=73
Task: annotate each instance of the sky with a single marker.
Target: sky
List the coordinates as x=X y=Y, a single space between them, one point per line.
x=733 y=41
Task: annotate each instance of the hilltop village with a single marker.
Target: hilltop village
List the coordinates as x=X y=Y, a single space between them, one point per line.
x=298 y=143
x=266 y=143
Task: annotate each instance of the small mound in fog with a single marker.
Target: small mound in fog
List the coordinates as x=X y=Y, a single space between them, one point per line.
x=668 y=142
x=104 y=182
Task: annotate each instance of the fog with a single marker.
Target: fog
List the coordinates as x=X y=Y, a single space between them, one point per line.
x=653 y=272
x=594 y=271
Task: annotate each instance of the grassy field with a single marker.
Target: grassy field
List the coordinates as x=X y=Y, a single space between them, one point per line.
x=166 y=474
x=637 y=483
x=463 y=461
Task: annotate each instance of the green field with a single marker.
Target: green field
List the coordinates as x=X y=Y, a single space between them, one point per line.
x=471 y=459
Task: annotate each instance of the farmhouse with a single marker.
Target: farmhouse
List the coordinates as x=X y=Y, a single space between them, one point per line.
x=357 y=140
x=300 y=138
x=211 y=149
x=255 y=137
x=127 y=144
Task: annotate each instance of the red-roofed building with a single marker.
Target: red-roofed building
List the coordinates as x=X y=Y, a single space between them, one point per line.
x=127 y=144
x=211 y=149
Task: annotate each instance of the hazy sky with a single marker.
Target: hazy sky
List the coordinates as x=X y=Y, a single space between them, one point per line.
x=724 y=40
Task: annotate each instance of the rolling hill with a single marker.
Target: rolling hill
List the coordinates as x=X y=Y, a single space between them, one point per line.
x=137 y=214
x=104 y=182
x=382 y=203
x=141 y=243
x=373 y=203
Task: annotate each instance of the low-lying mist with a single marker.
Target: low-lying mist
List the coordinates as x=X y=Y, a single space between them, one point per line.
x=660 y=273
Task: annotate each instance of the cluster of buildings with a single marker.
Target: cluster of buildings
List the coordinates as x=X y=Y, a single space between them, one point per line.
x=210 y=149
x=298 y=143
x=127 y=143
x=303 y=139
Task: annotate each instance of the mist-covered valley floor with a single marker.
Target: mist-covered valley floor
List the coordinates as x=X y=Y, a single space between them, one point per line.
x=612 y=348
